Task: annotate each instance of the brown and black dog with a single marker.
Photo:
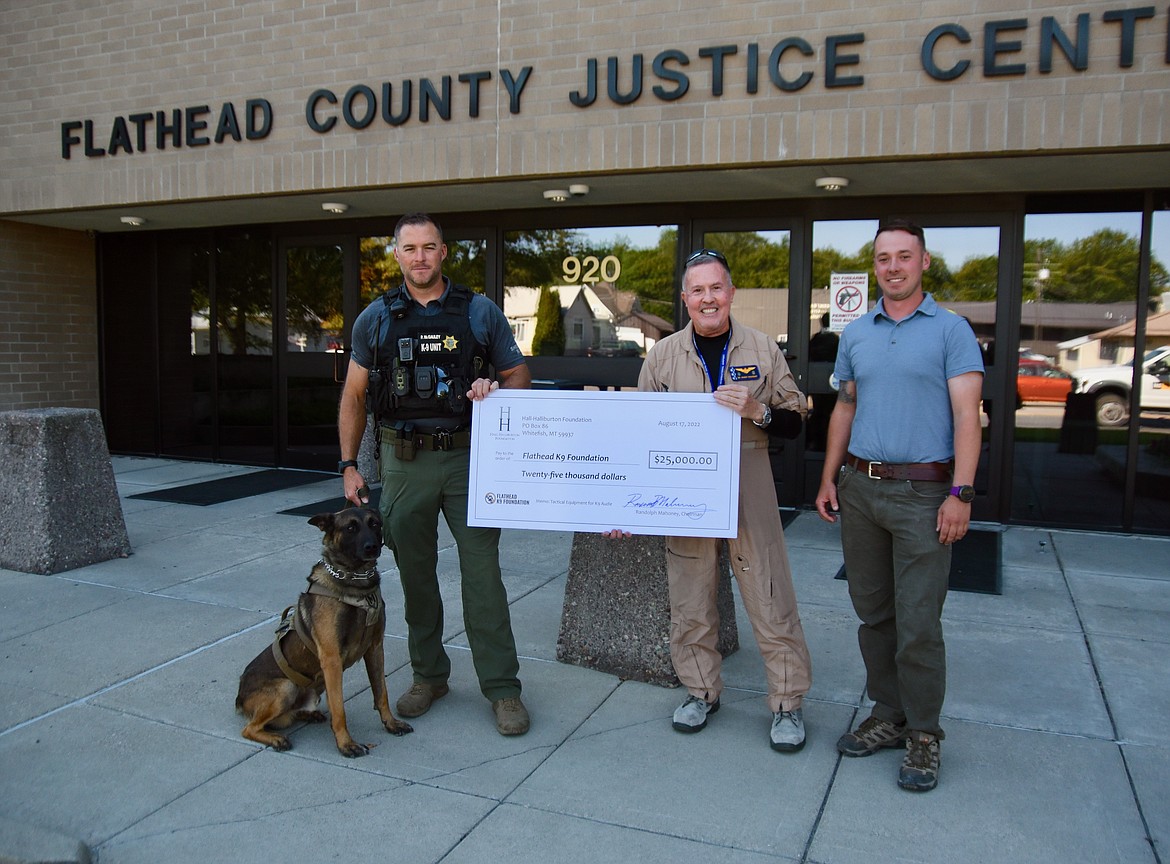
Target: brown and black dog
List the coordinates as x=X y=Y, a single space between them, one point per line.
x=339 y=619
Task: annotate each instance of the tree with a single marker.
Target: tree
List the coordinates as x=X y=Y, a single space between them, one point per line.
x=977 y=279
x=549 y=337
x=937 y=280
x=465 y=263
x=533 y=258
x=1100 y=268
x=756 y=261
x=244 y=294
x=378 y=271
x=828 y=261
x=648 y=273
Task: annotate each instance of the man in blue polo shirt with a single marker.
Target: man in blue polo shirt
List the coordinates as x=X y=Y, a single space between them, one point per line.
x=903 y=445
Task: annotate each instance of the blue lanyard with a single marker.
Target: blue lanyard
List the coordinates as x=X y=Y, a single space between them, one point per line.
x=715 y=382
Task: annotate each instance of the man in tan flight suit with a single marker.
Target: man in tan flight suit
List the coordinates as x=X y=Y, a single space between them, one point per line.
x=746 y=372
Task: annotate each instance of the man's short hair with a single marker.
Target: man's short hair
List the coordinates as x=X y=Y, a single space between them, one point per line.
x=902 y=225
x=417 y=218
x=705 y=256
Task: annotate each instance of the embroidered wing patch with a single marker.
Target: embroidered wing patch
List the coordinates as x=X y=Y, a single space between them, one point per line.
x=745 y=373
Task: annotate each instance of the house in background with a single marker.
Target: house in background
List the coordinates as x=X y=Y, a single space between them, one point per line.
x=598 y=320
x=1115 y=345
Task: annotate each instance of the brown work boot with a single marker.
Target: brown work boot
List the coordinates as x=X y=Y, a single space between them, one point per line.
x=919 y=771
x=417 y=700
x=871 y=736
x=511 y=716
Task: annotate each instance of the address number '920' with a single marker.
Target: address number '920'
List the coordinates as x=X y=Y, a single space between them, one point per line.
x=689 y=461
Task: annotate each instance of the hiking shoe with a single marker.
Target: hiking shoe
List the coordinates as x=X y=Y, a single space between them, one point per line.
x=691 y=715
x=511 y=716
x=788 y=731
x=417 y=700
x=920 y=767
x=871 y=736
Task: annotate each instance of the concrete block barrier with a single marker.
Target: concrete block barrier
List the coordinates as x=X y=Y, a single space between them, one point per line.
x=59 y=505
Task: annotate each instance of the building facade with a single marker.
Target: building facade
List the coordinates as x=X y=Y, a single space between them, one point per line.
x=196 y=199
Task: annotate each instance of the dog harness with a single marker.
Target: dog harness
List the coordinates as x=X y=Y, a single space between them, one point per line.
x=369 y=601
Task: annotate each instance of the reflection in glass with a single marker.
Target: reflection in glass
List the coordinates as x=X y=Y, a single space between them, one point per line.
x=831 y=242
x=962 y=276
x=243 y=334
x=589 y=293
x=379 y=272
x=313 y=298
x=1079 y=306
x=186 y=409
x=314 y=346
x=1152 y=494
x=760 y=267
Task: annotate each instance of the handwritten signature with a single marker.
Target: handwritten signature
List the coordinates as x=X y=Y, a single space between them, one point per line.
x=666 y=502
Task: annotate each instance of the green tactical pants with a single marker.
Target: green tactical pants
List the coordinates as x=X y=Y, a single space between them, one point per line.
x=897 y=573
x=413 y=494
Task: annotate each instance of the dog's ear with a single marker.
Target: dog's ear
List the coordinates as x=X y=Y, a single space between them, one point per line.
x=324 y=521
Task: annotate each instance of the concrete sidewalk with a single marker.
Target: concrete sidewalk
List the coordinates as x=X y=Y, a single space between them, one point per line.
x=119 y=740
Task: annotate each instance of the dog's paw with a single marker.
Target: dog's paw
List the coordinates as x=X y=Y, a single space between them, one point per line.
x=398 y=728
x=280 y=743
x=311 y=716
x=353 y=750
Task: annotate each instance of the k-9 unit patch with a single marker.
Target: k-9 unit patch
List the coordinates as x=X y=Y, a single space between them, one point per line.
x=434 y=343
x=745 y=373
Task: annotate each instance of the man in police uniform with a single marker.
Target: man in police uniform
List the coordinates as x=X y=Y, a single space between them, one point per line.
x=420 y=354
x=746 y=372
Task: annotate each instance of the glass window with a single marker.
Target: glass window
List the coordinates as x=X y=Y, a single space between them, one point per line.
x=586 y=304
x=466 y=264
x=242 y=330
x=760 y=267
x=186 y=394
x=1152 y=497
x=378 y=270
x=130 y=403
x=1079 y=295
x=842 y=280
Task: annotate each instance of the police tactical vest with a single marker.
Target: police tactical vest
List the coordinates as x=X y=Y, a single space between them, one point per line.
x=425 y=365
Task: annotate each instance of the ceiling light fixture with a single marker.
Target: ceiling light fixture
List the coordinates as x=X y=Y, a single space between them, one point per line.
x=136 y=221
x=832 y=184
x=334 y=207
x=578 y=190
x=557 y=195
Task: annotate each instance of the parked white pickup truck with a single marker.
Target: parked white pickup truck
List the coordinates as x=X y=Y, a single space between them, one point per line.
x=1111 y=385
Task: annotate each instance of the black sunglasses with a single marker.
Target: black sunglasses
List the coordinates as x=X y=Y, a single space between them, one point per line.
x=700 y=254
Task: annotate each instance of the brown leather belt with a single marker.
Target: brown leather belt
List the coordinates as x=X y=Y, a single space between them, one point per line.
x=902 y=470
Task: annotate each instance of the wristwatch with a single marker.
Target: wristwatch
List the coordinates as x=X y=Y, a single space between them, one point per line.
x=763 y=424
x=346 y=463
x=966 y=494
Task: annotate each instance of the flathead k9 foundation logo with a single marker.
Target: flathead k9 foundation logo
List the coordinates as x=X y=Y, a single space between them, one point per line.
x=505 y=498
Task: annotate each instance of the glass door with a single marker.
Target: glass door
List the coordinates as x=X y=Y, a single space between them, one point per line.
x=315 y=276
x=970 y=260
x=770 y=296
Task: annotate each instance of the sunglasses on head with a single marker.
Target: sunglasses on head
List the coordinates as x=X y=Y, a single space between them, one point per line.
x=700 y=254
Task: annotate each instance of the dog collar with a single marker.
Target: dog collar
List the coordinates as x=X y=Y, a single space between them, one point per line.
x=342 y=576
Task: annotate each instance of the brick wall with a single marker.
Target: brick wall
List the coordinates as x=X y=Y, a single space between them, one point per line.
x=48 y=318
x=69 y=61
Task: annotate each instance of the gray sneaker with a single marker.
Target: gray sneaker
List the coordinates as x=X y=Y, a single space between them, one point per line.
x=691 y=715
x=788 y=731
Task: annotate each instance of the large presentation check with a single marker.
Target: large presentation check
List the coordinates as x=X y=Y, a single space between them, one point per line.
x=573 y=460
